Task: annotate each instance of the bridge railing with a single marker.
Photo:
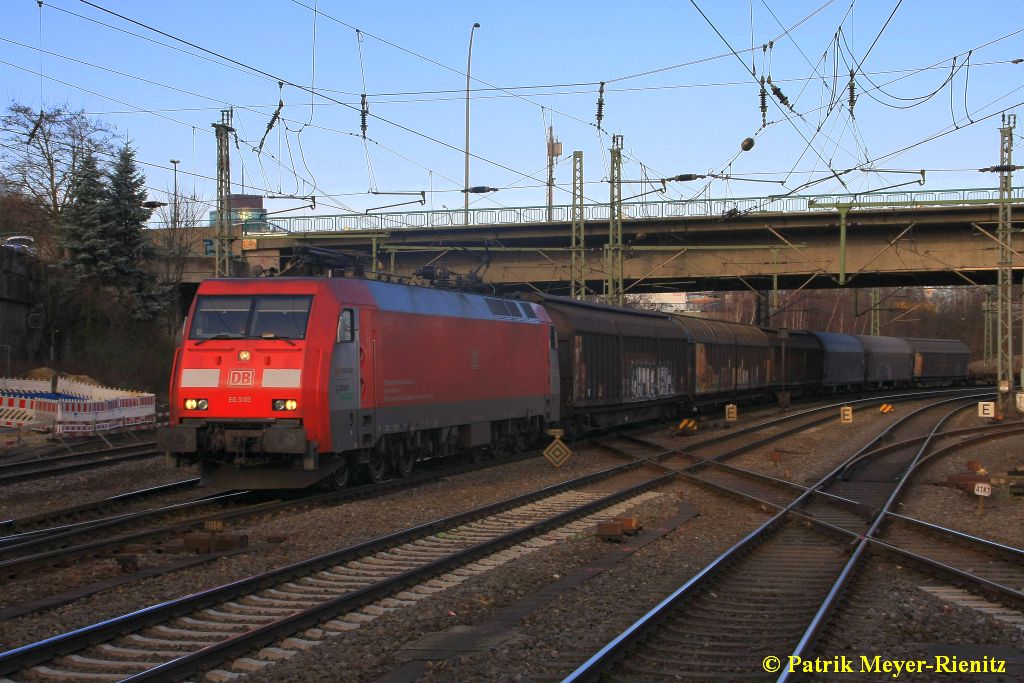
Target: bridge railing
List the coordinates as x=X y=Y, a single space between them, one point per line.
x=690 y=208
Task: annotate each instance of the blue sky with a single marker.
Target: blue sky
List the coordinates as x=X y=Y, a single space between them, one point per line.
x=675 y=91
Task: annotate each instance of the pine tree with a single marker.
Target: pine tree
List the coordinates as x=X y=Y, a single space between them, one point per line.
x=86 y=252
x=103 y=239
x=127 y=215
x=140 y=293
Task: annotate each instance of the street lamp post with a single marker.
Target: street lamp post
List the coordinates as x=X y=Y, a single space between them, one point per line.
x=469 y=66
x=174 y=210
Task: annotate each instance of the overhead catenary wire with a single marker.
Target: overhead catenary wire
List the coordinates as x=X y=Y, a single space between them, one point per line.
x=304 y=88
x=479 y=92
x=831 y=126
x=724 y=40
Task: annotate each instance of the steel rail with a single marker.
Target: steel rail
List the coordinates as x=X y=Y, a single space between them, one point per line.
x=191 y=663
x=72 y=641
x=818 y=622
x=35 y=539
x=355 y=493
x=608 y=654
x=18 y=472
x=119 y=499
x=893 y=398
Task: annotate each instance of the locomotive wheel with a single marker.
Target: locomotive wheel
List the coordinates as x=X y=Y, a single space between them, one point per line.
x=341 y=476
x=377 y=467
x=406 y=462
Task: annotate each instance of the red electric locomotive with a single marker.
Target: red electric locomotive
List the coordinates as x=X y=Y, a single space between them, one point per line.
x=281 y=383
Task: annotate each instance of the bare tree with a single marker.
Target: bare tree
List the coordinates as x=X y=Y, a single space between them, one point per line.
x=41 y=153
x=177 y=237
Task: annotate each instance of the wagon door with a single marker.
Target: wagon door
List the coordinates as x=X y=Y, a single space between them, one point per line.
x=343 y=395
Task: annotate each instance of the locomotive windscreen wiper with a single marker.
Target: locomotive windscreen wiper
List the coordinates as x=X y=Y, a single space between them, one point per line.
x=222 y=335
x=272 y=335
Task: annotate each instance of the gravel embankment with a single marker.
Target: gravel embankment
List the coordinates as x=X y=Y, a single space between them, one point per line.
x=554 y=639
x=44 y=495
x=1003 y=517
x=890 y=615
x=308 y=533
x=887 y=614
x=805 y=457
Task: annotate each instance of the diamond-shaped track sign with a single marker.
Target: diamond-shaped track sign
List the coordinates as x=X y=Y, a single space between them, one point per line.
x=557 y=453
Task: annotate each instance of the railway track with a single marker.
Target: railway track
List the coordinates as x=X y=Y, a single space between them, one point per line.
x=39 y=468
x=771 y=594
x=48 y=521
x=22 y=552
x=330 y=594
x=32 y=550
x=827 y=412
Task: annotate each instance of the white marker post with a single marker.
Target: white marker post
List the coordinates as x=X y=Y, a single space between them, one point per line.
x=982 y=491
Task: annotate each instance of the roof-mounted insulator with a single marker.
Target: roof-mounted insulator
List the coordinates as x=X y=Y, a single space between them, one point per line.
x=600 y=105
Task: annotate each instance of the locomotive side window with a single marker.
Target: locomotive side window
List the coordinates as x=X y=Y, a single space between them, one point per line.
x=235 y=317
x=346 y=328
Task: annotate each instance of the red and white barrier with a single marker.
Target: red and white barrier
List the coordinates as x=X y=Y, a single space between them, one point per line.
x=102 y=410
x=16 y=411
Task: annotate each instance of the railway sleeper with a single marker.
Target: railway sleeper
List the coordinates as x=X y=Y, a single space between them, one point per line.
x=301 y=601
x=219 y=615
x=241 y=608
x=137 y=653
x=186 y=633
x=184 y=645
x=51 y=674
x=275 y=654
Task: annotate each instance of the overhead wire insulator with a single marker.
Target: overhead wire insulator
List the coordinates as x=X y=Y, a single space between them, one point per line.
x=364 y=112
x=781 y=97
x=271 y=123
x=600 y=105
x=764 y=104
x=853 y=95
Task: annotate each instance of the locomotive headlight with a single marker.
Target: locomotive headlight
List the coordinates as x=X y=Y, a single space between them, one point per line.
x=291 y=404
x=190 y=404
x=196 y=404
x=244 y=356
x=203 y=404
x=284 y=404
x=278 y=404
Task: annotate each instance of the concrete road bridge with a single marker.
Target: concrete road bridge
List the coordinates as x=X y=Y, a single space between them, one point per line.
x=938 y=237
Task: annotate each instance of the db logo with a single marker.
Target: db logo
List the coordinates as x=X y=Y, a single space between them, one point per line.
x=241 y=378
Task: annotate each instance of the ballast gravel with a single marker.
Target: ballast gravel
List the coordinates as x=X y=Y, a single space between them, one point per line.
x=552 y=641
x=306 y=533
x=887 y=613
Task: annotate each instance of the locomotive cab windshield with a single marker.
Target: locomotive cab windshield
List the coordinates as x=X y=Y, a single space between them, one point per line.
x=251 y=317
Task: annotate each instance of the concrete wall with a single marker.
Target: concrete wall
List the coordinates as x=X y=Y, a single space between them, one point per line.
x=20 y=285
